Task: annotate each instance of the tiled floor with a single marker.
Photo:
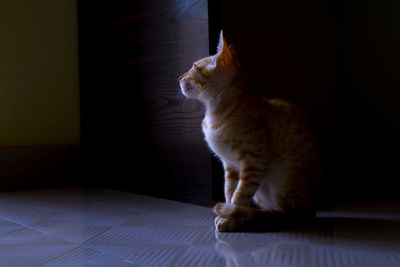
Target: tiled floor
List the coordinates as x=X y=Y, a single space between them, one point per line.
x=109 y=228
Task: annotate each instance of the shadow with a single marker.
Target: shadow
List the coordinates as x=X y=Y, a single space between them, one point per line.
x=332 y=239
x=280 y=222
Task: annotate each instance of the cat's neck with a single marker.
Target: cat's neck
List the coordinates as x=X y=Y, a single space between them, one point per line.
x=233 y=96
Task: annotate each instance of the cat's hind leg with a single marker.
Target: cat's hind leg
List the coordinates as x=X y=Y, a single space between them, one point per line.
x=284 y=191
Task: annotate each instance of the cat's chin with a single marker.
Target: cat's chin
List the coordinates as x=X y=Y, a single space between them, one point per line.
x=185 y=89
x=186 y=94
x=188 y=91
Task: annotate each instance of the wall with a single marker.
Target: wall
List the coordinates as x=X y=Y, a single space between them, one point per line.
x=39 y=91
x=39 y=96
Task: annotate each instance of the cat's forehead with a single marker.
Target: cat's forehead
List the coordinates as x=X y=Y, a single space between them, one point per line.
x=204 y=62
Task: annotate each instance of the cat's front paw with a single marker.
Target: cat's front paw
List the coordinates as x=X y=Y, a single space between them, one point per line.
x=223 y=224
x=224 y=209
x=234 y=211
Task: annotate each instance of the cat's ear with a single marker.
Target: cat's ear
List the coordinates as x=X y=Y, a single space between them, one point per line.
x=222 y=44
x=232 y=49
x=224 y=55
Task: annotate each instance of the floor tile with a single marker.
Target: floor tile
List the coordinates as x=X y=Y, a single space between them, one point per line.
x=82 y=256
x=29 y=254
x=75 y=227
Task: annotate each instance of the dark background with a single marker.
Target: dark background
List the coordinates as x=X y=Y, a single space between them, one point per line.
x=337 y=60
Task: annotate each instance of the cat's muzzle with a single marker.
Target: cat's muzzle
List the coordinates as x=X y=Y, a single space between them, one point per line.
x=186 y=87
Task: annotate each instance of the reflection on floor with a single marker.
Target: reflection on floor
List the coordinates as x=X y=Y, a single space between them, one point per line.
x=109 y=228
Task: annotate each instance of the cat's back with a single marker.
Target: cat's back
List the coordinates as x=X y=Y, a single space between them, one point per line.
x=280 y=113
x=288 y=125
x=282 y=107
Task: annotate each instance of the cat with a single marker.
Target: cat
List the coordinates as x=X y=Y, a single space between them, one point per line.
x=270 y=158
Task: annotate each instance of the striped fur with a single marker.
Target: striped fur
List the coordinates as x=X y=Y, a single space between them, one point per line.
x=267 y=149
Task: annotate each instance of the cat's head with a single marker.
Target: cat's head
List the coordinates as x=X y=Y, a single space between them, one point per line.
x=209 y=75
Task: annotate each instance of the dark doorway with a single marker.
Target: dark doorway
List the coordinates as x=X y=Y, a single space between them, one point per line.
x=338 y=61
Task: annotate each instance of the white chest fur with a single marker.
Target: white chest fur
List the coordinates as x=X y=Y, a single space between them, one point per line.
x=216 y=142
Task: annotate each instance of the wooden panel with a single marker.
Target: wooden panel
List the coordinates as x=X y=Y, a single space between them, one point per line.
x=133 y=113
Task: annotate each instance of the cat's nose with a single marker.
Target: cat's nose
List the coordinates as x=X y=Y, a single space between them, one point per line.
x=180 y=78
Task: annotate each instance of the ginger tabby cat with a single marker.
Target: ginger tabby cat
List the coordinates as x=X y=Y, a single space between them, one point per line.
x=271 y=161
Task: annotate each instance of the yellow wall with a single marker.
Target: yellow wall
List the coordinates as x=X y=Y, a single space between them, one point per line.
x=39 y=89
